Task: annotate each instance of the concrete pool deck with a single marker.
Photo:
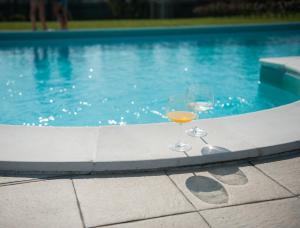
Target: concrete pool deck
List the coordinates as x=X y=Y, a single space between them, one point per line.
x=145 y=147
x=257 y=192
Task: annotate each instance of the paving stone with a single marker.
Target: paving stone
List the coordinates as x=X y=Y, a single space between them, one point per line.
x=207 y=189
x=231 y=175
x=278 y=213
x=244 y=133
x=252 y=128
x=50 y=203
x=242 y=183
x=140 y=146
x=140 y=143
x=189 y=220
x=285 y=170
x=288 y=63
x=112 y=199
x=221 y=134
x=27 y=148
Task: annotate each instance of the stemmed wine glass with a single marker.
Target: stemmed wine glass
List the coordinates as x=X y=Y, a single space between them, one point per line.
x=178 y=111
x=202 y=100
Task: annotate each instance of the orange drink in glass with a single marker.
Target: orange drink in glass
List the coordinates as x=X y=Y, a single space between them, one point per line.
x=181 y=117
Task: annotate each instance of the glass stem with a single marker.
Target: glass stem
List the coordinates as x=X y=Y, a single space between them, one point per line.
x=180 y=142
x=195 y=129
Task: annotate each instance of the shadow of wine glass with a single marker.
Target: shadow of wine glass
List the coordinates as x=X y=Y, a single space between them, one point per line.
x=230 y=175
x=207 y=189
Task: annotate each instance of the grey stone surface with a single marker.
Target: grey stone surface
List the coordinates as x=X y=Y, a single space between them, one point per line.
x=257 y=187
x=221 y=134
x=231 y=175
x=279 y=213
x=141 y=147
x=112 y=199
x=47 y=144
x=289 y=63
x=142 y=142
x=49 y=203
x=285 y=170
x=189 y=220
x=207 y=189
x=271 y=131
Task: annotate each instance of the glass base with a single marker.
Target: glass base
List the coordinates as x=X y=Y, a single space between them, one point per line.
x=196 y=132
x=180 y=147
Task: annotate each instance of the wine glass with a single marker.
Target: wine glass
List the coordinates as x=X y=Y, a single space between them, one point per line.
x=179 y=112
x=202 y=101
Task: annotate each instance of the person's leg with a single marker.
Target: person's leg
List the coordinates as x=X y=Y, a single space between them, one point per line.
x=57 y=11
x=55 y=8
x=65 y=14
x=64 y=24
x=62 y=13
x=33 y=7
x=42 y=14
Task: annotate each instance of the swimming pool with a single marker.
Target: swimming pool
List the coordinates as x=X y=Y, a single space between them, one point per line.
x=127 y=80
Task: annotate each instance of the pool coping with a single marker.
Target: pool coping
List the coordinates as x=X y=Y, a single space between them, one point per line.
x=123 y=33
x=145 y=146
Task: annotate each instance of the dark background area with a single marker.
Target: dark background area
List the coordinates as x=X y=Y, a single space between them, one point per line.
x=18 y=10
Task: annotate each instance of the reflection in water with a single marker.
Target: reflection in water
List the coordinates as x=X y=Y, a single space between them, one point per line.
x=209 y=149
x=64 y=63
x=42 y=66
x=207 y=189
x=44 y=69
x=231 y=175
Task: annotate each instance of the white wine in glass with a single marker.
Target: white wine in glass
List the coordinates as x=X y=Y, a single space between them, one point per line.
x=203 y=100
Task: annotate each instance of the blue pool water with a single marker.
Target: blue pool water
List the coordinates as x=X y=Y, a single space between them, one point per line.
x=91 y=82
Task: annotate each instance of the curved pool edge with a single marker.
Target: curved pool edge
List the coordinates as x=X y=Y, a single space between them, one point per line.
x=145 y=147
x=144 y=32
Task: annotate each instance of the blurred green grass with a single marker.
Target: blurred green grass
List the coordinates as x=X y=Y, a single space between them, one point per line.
x=159 y=22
